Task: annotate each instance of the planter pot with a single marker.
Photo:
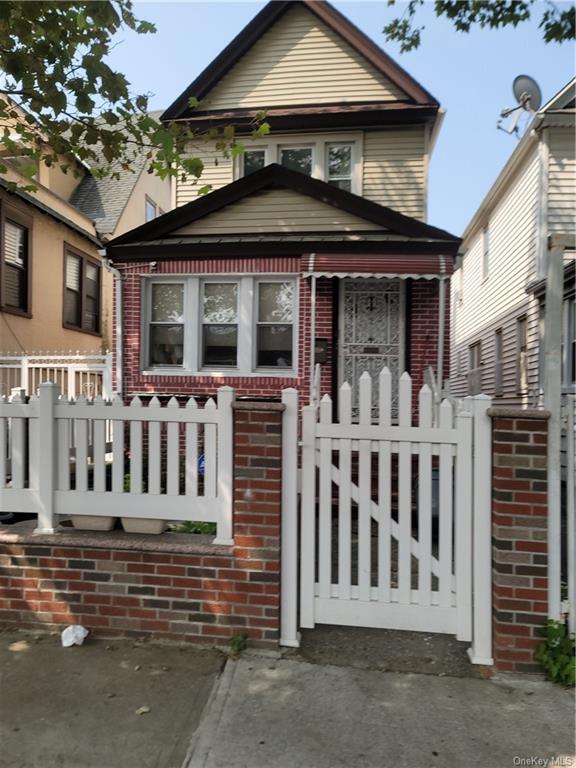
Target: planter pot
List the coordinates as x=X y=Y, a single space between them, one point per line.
x=93 y=522
x=143 y=525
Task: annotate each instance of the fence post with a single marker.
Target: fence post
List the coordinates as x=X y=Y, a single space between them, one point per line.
x=71 y=382
x=224 y=463
x=107 y=377
x=24 y=374
x=289 y=635
x=308 y=517
x=481 y=649
x=463 y=523
x=571 y=509
x=47 y=456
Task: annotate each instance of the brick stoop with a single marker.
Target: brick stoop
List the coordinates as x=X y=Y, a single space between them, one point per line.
x=172 y=586
x=519 y=536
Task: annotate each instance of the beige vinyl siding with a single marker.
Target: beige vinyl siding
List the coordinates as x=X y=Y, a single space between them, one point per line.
x=500 y=299
x=277 y=211
x=561 y=181
x=394 y=170
x=300 y=61
x=217 y=173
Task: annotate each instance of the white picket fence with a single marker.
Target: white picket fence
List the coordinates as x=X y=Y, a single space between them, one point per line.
x=60 y=457
x=369 y=556
x=75 y=373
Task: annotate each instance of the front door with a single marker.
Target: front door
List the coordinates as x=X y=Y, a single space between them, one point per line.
x=371 y=332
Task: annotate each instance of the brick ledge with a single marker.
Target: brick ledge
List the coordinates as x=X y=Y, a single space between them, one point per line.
x=504 y=412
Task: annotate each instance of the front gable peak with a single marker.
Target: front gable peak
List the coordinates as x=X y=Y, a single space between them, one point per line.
x=297 y=54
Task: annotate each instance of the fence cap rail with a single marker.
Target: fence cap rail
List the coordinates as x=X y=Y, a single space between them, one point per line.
x=504 y=412
x=256 y=405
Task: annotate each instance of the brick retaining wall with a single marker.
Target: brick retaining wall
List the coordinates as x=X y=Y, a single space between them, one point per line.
x=172 y=586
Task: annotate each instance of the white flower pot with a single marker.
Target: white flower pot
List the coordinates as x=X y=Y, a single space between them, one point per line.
x=93 y=522
x=143 y=525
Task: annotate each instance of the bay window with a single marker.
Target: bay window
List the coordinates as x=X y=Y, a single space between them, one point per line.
x=241 y=325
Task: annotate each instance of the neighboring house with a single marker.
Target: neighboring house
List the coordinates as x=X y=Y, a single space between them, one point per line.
x=312 y=248
x=56 y=295
x=498 y=291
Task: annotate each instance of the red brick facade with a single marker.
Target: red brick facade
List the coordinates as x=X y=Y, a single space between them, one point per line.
x=421 y=342
x=519 y=537
x=116 y=584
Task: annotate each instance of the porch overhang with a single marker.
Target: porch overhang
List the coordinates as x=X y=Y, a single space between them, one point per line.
x=353 y=265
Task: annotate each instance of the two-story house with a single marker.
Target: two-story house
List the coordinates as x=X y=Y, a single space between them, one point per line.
x=55 y=293
x=312 y=247
x=498 y=291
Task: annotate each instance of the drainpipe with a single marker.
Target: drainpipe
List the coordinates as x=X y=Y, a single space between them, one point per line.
x=118 y=328
x=312 y=259
x=441 y=327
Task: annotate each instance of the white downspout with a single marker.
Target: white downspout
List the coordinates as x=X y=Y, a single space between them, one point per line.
x=312 y=334
x=118 y=330
x=441 y=329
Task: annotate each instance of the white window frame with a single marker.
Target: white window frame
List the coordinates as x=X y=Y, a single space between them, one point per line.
x=327 y=146
x=522 y=341
x=255 y=323
x=200 y=320
x=485 y=252
x=193 y=308
x=475 y=370
x=319 y=144
x=498 y=362
x=568 y=386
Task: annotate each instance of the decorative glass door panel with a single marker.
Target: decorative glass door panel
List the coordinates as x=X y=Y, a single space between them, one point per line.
x=371 y=333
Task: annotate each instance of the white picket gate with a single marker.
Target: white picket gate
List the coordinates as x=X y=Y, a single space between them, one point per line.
x=373 y=552
x=60 y=457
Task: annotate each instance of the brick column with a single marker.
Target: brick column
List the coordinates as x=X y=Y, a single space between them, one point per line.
x=519 y=535
x=257 y=512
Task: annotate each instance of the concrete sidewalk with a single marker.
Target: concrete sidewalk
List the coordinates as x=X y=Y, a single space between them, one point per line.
x=77 y=707
x=267 y=713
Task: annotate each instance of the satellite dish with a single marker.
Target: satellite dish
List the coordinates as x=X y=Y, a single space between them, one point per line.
x=527 y=93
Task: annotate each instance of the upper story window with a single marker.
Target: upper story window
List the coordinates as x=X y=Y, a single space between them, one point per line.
x=15 y=263
x=297 y=159
x=81 y=292
x=475 y=368
x=569 y=345
x=152 y=210
x=522 y=355
x=339 y=165
x=337 y=161
x=244 y=325
x=485 y=252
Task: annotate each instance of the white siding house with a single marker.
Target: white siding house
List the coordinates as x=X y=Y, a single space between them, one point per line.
x=497 y=293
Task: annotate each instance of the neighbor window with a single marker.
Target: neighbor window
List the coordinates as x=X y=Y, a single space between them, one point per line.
x=274 y=336
x=152 y=210
x=166 y=336
x=569 y=345
x=498 y=362
x=297 y=159
x=244 y=324
x=339 y=166
x=475 y=368
x=220 y=325
x=81 y=292
x=485 y=252
x=253 y=160
x=15 y=266
x=522 y=355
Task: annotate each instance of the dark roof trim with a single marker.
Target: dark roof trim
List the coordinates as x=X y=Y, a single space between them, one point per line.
x=374 y=114
x=142 y=252
x=275 y=176
x=29 y=200
x=252 y=32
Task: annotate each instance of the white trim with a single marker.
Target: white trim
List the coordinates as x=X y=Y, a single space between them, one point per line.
x=319 y=144
x=246 y=363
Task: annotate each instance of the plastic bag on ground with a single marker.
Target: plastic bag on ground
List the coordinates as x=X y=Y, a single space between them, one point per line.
x=75 y=634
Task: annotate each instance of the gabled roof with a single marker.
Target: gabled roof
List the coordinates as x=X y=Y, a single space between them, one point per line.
x=268 y=16
x=104 y=200
x=277 y=177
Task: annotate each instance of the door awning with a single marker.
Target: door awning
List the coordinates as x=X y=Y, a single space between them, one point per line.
x=425 y=266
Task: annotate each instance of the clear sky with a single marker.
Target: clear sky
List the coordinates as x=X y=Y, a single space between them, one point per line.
x=470 y=74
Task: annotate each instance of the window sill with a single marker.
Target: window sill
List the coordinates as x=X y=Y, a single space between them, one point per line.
x=223 y=374
x=81 y=330
x=17 y=312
